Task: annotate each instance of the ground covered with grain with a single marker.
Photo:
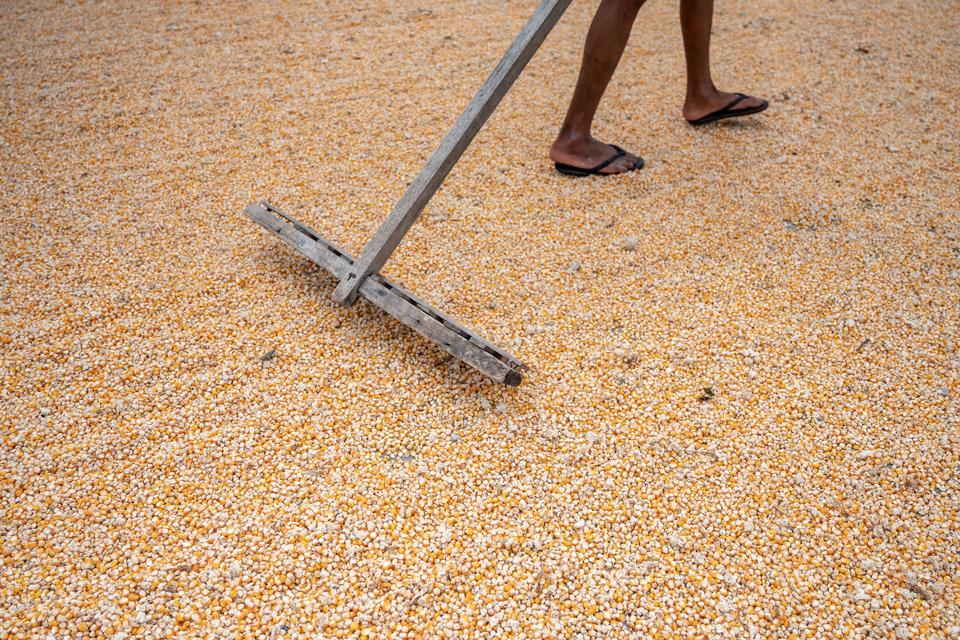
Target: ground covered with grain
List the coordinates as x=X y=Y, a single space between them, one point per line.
x=743 y=414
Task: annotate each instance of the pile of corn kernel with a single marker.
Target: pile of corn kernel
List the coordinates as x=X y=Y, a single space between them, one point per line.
x=742 y=418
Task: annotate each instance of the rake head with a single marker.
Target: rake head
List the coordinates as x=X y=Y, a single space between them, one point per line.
x=450 y=336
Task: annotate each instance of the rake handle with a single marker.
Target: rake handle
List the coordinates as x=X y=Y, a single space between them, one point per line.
x=406 y=211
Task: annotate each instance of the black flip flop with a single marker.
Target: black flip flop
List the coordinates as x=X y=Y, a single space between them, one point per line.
x=578 y=172
x=729 y=111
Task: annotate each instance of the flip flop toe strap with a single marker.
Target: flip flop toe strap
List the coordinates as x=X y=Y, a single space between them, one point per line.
x=740 y=98
x=619 y=154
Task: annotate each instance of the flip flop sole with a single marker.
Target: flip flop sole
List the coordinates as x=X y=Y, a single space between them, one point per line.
x=577 y=172
x=736 y=113
x=570 y=170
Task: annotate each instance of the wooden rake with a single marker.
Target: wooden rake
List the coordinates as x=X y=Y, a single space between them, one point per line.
x=360 y=277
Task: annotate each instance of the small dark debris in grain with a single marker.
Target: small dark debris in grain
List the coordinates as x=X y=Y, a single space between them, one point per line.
x=920 y=591
x=794 y=226
x=878 y=470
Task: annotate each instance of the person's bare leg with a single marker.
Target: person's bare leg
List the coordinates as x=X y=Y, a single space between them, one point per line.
x=606 y=40
x=703 y=97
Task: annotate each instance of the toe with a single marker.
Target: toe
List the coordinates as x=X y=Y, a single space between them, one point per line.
x=627 y=162
x=621 y=164
x=751 y=102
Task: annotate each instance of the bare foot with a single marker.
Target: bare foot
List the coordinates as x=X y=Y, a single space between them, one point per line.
x=701 y=105
x=589 y=152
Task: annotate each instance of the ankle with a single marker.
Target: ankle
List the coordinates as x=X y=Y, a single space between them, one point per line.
x=701 y=92
x=572 y=136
